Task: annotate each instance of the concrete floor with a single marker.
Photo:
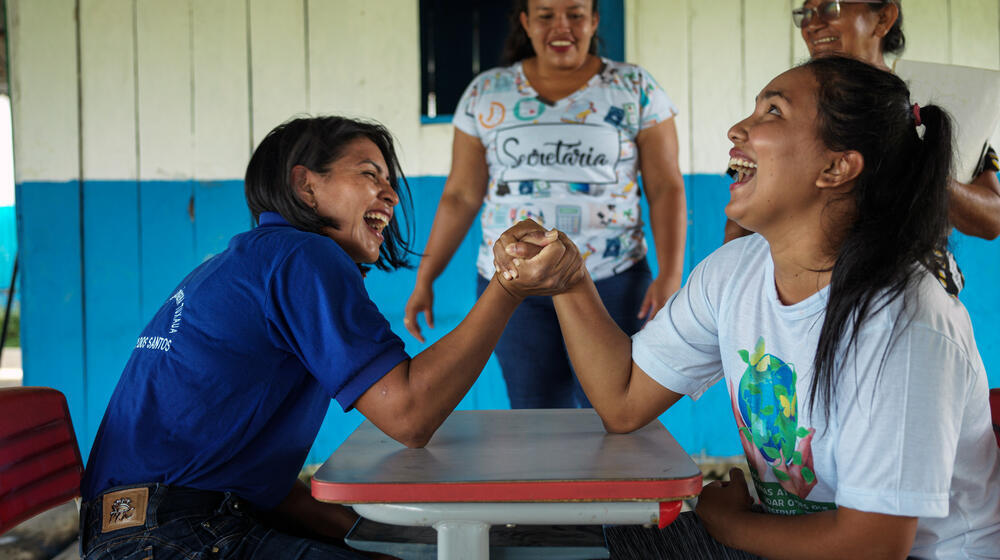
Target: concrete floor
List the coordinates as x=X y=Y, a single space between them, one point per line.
x=51 y=535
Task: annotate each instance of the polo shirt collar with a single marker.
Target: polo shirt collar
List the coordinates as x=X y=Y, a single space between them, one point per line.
x=272 y=219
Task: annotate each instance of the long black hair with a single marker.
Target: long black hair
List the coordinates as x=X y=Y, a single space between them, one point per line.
x=517 y=45
x=900 y=198
x=894 y=41
x=316 y=143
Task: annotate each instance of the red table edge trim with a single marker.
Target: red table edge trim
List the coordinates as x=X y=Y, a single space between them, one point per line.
x=534 y=491
x=669 y=512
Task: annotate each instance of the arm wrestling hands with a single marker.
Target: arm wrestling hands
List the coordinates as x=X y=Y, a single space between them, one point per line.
x=532 y=261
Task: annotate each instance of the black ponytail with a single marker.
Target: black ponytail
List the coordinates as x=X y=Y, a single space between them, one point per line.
x=900 y=199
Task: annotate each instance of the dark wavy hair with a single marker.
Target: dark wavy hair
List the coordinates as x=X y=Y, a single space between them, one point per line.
x=316 y=142
x=517 y=45
x=900 y=199
x=894 y=41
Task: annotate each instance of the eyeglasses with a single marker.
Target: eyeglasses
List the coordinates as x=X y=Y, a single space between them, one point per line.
x=827 y=11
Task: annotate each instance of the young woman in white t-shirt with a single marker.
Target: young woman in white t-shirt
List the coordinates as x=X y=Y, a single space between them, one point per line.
x=856 y=385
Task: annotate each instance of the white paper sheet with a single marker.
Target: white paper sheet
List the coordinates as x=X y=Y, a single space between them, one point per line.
x=970 y=95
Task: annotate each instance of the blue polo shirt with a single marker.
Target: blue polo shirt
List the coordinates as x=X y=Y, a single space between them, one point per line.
x=228 y=384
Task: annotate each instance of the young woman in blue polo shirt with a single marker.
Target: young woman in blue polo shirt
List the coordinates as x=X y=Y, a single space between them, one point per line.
x=227 y=386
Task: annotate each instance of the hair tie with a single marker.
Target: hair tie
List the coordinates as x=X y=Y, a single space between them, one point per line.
x=916 y=114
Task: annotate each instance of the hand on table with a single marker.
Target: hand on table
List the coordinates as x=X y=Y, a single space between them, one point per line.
x=531 y=261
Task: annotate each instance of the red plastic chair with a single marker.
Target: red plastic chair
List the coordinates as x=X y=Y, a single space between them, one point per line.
x=995 y=409
x=40 y=464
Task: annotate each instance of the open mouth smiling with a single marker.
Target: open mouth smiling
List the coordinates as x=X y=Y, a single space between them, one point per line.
x=377 y=221
x=741 y=169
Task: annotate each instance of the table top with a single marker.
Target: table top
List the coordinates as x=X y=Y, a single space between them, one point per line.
x=549 y=455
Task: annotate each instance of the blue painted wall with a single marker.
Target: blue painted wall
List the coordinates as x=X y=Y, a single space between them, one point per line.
x=100 y=257
x=8 y=246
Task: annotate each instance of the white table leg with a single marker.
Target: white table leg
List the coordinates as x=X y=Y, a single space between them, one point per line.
x=462 y=540
x=463 y=529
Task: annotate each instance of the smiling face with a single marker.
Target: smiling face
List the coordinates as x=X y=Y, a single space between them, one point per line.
x=778 y=157
x=355 y=194
x=858 y=32
x=560 y=31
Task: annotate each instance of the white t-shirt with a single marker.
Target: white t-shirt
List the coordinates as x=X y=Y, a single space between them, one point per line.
x=909 y=432
x=572 y=164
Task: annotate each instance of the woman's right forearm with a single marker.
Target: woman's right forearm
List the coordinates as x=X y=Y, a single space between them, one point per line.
x=600 y=351
x=451 y=223
x=623 y=395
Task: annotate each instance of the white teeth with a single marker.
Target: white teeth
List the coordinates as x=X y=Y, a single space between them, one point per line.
x=740 y=162
x=824 y=40
x=561 y=43
x=744 y=168
x=381 y=218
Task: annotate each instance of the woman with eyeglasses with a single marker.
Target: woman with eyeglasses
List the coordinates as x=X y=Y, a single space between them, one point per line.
x=868 y=30
x=859 y=394
x=560 y=135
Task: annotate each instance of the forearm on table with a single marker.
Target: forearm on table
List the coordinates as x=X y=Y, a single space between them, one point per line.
x=412 y=401
x=600 y=351
x=974 y=208
x=834 y=534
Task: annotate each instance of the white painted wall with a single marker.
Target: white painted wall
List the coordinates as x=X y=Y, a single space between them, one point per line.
x=176 y=89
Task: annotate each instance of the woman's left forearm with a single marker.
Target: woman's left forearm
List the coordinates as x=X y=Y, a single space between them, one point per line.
x=663 y=184
x=839 y=533
x=668 y=220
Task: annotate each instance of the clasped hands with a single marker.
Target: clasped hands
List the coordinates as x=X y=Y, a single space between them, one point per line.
x=531 y=261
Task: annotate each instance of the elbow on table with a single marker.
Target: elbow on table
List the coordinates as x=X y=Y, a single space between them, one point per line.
x=621 y=423
x=412 y=438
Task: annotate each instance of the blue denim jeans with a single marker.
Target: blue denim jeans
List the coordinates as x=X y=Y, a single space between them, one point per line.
x=183 y=523
x=531 y=351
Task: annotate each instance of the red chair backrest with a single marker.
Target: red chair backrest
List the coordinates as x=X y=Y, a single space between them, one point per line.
x=40 y=464
x=995 y=409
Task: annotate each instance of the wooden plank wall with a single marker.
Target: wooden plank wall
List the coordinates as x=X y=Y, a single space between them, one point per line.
x=133 y=121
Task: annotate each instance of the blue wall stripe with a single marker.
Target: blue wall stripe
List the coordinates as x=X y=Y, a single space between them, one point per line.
x=167 y=244
x=52 y=337
x=111 y=276
x=8 y=247
x=220 y=211
x=133 y=261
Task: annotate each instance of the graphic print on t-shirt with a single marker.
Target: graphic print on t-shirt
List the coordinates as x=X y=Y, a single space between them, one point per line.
x=766 y=408
x=569 y=153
